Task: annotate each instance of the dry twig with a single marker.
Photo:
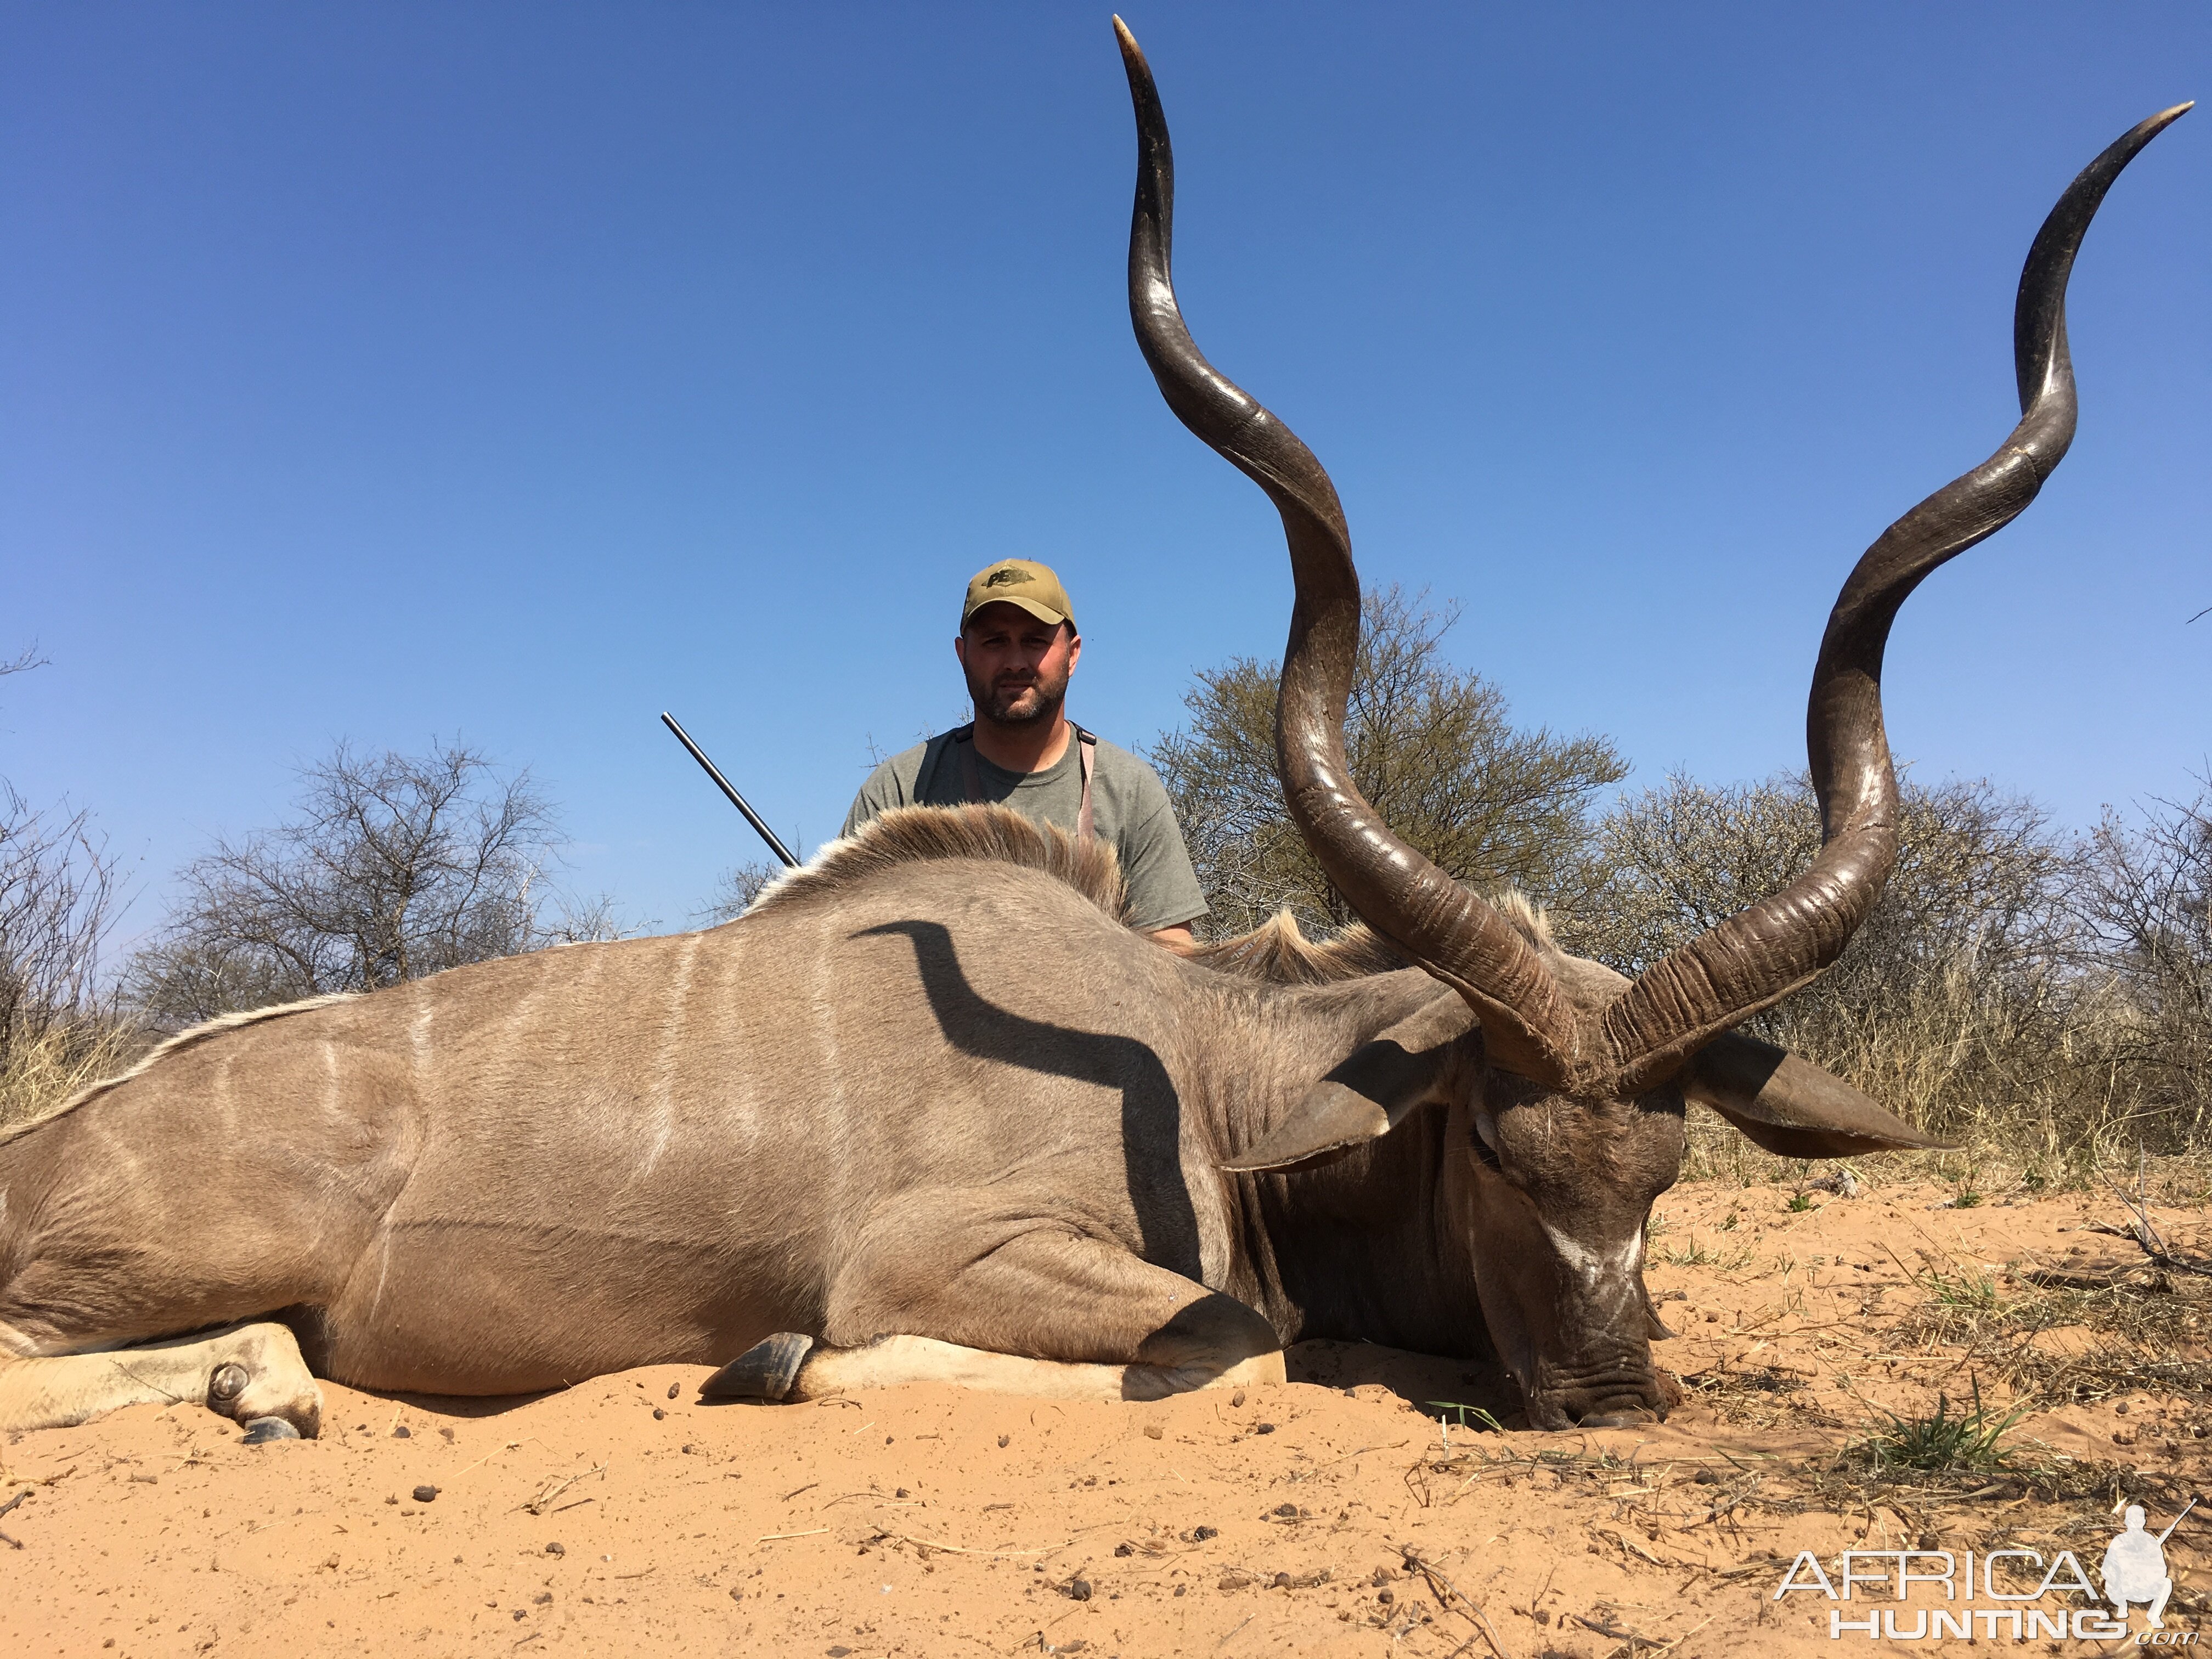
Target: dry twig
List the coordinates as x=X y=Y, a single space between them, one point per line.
x=1438 y=1583
x=882 y=1533
x=537 y=1505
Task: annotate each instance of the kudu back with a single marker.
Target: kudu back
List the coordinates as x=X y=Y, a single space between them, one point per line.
x=930 y=1109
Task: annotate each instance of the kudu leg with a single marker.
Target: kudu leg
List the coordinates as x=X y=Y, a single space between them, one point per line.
x=822 y=1373
x=1015 y=1308
x=253 y=1374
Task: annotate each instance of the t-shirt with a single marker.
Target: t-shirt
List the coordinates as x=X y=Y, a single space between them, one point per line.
x=1129 y=811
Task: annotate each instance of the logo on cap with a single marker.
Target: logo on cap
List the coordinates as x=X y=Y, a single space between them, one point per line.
x=1005 y=577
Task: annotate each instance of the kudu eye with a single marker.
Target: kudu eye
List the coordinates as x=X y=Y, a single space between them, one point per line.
x=1485 y=1141
x=227 y=1383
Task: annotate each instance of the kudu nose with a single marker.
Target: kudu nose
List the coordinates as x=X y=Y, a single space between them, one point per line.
x=1616 y=1407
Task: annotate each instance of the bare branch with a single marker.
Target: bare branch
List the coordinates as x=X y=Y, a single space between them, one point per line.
x=733 y=894
x=392 y=866
x=28 y=658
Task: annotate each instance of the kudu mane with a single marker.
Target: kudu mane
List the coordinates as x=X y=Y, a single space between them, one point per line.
x=921 y=835
x=1278 y=952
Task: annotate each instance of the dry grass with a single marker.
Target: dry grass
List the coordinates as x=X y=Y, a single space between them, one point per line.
x=59 y=898
x=2143 y=1330
x=2044 y=1001
x=1988 y=1165
x=38 y=1072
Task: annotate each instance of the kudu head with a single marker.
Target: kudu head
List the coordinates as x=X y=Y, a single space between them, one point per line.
x=1568 y=1081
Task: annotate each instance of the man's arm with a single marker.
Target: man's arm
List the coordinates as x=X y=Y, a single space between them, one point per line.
x=1164 y=896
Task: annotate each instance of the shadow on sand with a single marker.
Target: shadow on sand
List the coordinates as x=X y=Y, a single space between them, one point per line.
x=469 y=1405
x=1422 y=1381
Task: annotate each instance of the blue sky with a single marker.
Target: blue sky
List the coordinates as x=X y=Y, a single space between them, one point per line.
x=514 y=373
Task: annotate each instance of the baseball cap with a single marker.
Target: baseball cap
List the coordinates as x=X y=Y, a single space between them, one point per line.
x=1023 y=582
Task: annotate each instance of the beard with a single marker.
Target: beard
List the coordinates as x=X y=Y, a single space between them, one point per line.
x=1018 y=700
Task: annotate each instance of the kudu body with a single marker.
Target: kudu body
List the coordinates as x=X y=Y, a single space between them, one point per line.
x=930 y=1109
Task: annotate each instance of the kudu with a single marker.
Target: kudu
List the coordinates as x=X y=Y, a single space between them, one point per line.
x=929 y=1109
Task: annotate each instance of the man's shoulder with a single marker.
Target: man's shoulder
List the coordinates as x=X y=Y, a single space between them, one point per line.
x=1119 y=768
x=909 y=764
x=897 y=781
x=904 y=764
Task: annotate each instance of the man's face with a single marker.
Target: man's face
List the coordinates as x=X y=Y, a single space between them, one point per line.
x=1017 y=666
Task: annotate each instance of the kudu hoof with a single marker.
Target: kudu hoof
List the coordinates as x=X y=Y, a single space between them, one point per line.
x=764 y=1371
x=263 y=1430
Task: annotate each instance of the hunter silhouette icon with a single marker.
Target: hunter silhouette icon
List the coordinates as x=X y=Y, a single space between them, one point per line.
x=2135 y=1566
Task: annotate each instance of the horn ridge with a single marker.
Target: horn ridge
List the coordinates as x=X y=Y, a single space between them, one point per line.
x=1455 y=936
x=1755 y=958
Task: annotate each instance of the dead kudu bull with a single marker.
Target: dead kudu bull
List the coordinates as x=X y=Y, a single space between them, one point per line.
x=930 y=1109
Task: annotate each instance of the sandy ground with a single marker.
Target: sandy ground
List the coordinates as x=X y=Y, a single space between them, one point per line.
x=1336 y=1514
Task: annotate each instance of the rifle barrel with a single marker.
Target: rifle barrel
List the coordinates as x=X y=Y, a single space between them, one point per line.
x=728 y=788
x=2176 y=1522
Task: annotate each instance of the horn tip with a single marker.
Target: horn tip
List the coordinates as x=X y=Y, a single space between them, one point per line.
x=1133 y=55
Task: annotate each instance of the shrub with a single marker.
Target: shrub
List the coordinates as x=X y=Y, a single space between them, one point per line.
x=1433 y=748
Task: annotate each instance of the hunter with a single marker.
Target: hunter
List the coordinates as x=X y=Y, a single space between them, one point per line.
x=1018 y=646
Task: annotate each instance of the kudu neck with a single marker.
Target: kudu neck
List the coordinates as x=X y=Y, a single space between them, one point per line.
x=1360 y=1246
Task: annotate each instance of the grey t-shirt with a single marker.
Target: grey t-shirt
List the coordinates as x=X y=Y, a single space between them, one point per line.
x=1129 y=811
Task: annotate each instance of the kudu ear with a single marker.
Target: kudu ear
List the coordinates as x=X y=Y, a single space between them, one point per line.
x=1791 y=1107
x=1368 y=1095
